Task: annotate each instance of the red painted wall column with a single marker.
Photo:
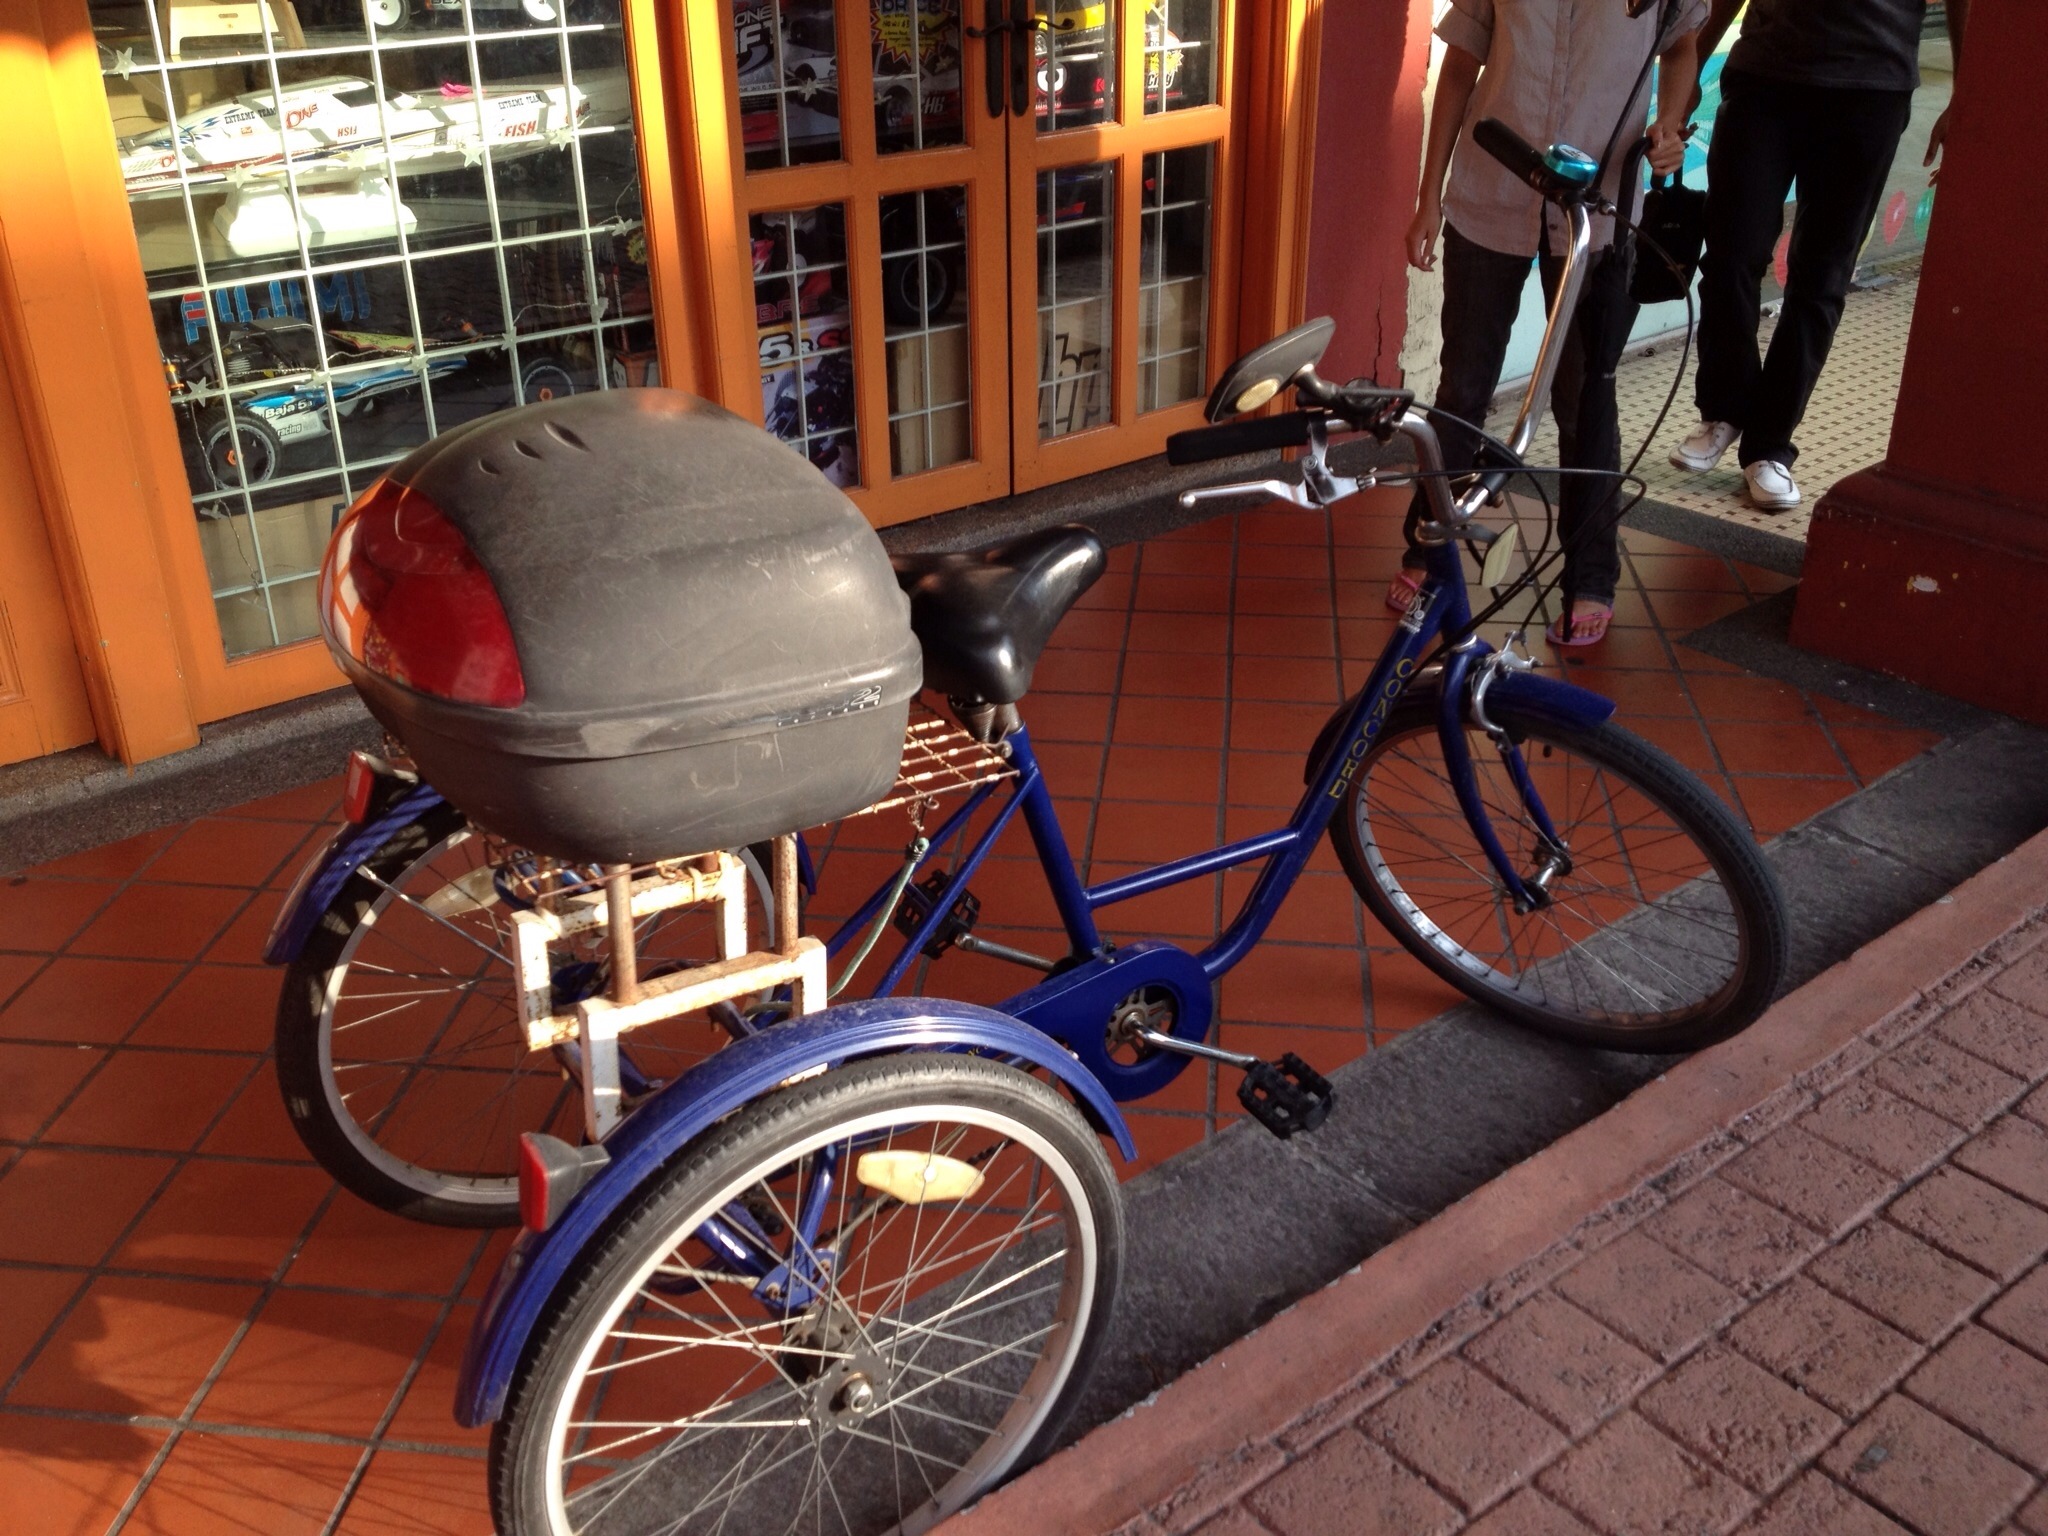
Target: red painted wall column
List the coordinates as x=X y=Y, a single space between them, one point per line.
x=1368 y=155
x=1933 y=566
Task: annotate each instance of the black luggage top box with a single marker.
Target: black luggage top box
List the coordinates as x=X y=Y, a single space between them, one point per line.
x=625 y=626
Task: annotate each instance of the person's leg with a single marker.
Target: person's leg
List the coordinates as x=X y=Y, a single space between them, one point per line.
x=1845 y=153
x=1749 y=171
x=1482 y=291
x=1589 y=425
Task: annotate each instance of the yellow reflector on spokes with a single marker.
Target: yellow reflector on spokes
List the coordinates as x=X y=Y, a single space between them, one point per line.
x=917 y=1177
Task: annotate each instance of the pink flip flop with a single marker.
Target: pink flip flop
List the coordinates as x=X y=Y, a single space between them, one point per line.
x=1401 y=591
x=1583 y=623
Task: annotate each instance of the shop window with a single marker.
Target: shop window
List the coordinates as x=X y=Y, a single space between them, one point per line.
x=364 y=222
x=787 y=55
x=1074 y=53
x=1076 y=253
x=917 y=74
x=1173 y=277
x=805 y=328
x=1180 y=47
x=924 y=299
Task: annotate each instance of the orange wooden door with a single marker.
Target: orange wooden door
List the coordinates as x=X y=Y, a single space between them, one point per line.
x=871 y=188
x=43 y=705
x=1122 y=265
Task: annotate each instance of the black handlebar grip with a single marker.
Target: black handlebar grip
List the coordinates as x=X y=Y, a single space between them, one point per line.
x=1199 y=444
x=1514 y=152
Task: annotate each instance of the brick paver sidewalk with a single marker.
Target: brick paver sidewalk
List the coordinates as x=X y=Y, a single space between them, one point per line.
x=1826 y=1315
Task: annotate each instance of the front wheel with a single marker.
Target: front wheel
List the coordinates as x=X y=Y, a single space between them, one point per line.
x=915 y=1263
x=1661 y=927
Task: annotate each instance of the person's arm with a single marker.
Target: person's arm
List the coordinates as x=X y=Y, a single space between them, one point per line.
x=1957 y=13
x=1678 y=76
x=1454 y=81
x=1720 y=17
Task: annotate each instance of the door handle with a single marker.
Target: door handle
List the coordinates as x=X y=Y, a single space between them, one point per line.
x=993 y=33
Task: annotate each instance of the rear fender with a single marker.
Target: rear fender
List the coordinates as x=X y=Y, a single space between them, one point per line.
x=324 y=874
x=743 y=1071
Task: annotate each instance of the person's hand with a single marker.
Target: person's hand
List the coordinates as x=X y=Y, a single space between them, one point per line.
x=1667 y=149
x=1422 y=233
x=1935 y=136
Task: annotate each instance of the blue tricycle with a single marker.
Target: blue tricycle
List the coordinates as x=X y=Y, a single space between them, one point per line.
x=845 y=1270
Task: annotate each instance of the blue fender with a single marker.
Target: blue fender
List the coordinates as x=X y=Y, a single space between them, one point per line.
x=743 y=1071
x=323 y=875
x=1549 y=700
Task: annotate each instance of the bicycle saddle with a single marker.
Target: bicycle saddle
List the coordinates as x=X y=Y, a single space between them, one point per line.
x=984 y=616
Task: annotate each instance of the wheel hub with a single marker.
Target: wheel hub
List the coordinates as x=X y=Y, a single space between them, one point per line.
x=851 y=1392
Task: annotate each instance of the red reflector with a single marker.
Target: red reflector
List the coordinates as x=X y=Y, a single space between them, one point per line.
x=402 y=593
x=356 y=784
x=533 y=1187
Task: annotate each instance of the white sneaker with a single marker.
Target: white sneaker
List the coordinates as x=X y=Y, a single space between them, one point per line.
x=1771 y=486
x=1704 y=445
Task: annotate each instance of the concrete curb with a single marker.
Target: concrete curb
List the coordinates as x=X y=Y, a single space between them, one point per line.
x=1219 y=1424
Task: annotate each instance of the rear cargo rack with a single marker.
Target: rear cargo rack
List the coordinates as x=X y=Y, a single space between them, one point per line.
x=939 y=758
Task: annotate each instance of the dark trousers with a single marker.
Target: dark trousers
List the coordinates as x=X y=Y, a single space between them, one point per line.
x=1837 y=145
x=1482 y=292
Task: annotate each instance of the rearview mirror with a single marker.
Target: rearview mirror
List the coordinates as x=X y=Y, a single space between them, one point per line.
x=1264 y=371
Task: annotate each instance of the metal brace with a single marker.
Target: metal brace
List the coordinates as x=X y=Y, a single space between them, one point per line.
x=1507 y=659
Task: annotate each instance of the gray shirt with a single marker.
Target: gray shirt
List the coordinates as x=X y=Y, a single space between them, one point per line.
x=1557 y=71
x=1852 y=44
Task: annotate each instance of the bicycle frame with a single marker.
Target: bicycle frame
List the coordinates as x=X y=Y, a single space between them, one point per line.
x=1441 y=604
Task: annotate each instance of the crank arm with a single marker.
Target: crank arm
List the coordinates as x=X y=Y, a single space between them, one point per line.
x=1180 y=1047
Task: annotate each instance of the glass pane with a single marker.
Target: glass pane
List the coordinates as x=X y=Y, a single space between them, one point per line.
x=924 y=297
x=1180 y=46
x=806 y=335
x=363 y=222
x=1173 y=277
x=787 y=61
x=1074 y=51
x=917 y=73
x=1076 y=256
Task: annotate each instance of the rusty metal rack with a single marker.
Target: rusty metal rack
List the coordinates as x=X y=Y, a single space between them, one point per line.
x=939 y=758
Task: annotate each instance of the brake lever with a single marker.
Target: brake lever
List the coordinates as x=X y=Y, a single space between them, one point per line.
x=1278 y=490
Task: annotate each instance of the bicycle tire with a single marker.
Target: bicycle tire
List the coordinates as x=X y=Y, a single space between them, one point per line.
x=1676 y=936
x=381 y=1154
x=748 y=1156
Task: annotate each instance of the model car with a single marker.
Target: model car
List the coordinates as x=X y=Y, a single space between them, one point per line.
x=387 y=16
x=241 y=440
x=336 y=129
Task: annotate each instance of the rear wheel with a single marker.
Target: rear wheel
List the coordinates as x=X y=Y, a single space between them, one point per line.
x=924 y=1342
x=399 y=1048
x=1662 y=928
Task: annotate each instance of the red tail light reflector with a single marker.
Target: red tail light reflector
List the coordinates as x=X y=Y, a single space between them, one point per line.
x=357 y=782
x=402 y=592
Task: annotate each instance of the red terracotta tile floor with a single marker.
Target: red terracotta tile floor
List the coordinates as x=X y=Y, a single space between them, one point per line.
x=200 y=1334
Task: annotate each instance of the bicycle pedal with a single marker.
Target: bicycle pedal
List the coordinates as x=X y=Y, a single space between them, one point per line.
x=917 y=903
x=1287 y=1096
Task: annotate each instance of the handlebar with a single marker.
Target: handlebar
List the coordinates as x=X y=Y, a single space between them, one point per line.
x=1231 y=438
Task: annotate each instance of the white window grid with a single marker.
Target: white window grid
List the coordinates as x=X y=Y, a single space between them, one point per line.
x=1059 y=98
x=816 y=441
x=353 y=475
x=1191 y=42
x=914 y=425
x=783 y=91
x=914 y=77
x=1155 y=281
x=1084 y=310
